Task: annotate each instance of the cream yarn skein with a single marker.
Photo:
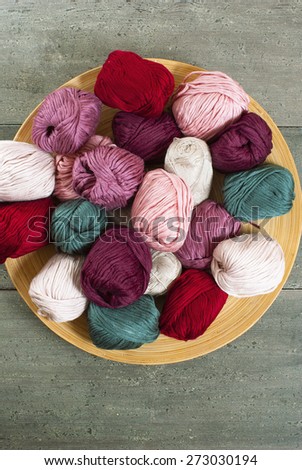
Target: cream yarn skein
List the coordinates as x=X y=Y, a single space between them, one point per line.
x=165 y=268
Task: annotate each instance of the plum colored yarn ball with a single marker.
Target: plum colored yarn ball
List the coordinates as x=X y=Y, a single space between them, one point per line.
x=75 y=225
x=248 y=265
x=162 y=209
x=64 y=165
x=210 y=224
x=260 y=193
x=125 y=327
x=193 y=302
x=117 y=269
x=206 y=105
x=56 y=289
x=133 y=84
x=24 y=227
x=147 y=137
x=190 y=159
x=108 y=176
x=242 y=145
x=65 y=120
x=165 y=268
x=26 y=172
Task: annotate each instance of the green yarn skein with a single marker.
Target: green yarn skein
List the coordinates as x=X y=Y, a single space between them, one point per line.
x=75 y=225
x=126 y=327
x=260 y=193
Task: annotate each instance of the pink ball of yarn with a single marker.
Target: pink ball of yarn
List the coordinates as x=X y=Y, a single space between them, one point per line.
x=65 y=120
x=210 y=224
x=207 y=104
x=161 y=210
x=242 y=145
x=107 y=176
x=147 y=137
x=64 y=165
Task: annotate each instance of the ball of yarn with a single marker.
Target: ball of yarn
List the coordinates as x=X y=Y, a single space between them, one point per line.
x=133 y=84
x=210 y=224
x=242 y=145
x=56 y=289
x=26 y=172
x=64 y=165
x=260 y=193
x=193 y=302
x=65 y=120
x=190 y=159
x=117 y=269
x=147 y=137
x=24 y=227
x=165 y=268
x=75 y=225
x=107 y=176
x=126 y=327
x=248 y=265
x=207 y=104
x=162 y=209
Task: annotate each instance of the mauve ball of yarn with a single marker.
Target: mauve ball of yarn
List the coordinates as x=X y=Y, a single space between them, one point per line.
x=210 y=224
x=56 y=289
x=24 y=227
x=206 y=105
x=108 y=176
x=193 y=302
x=165 y=268
x=190 y=159
x=117 y=269
x=26 y=172
x=125 y=327
x=65 y=120
x=162 y=209
x=133 y=84
x=248 y=265
x=64 y=165
x=260 y=193
x=242 y=145
x=75 y=225
x=147 y=137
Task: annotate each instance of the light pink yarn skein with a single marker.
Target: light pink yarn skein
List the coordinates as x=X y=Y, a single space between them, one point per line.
x=64 y=165
x=206 y=105
x=162 y=209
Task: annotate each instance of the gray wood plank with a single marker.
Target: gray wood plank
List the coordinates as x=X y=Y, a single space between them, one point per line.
x=244 y=396
x=258 y=43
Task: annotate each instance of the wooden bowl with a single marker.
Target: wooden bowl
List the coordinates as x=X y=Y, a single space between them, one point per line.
x=237 y=316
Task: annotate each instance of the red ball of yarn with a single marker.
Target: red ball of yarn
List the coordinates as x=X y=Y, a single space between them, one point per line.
x=133 y=84
x=193 y=302
x=147 y=137
x=242 y=145
x=24 y=227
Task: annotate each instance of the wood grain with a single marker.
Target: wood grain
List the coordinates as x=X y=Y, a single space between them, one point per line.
x=237 y=316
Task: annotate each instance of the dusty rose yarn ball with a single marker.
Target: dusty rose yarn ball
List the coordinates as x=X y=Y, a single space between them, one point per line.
x=116 y=271
x=242 y=145
x=107 y=176
x=147 y=137
x=65 y=120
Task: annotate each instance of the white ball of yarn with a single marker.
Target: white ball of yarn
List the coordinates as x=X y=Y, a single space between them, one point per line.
x=56 y=289
x=26 y=172
x=165 y=268
x=190 y=158
x=248 y=265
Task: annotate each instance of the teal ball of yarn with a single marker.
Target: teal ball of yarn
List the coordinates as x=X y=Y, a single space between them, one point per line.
x=76 y=224
x=260 y=193
x=125 y=327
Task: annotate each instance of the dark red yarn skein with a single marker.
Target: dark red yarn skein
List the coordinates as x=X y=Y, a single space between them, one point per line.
x=192 y=304
x=133 y=84
x=149 y=138
x=24 y=227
